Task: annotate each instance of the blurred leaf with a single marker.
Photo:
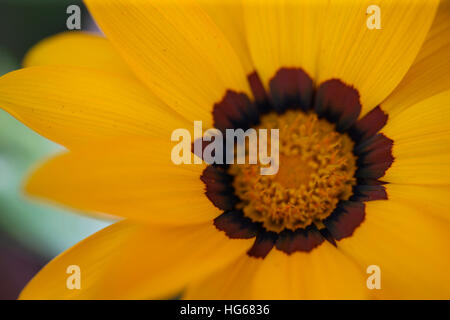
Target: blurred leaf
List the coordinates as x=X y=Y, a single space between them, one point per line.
x=7 y=61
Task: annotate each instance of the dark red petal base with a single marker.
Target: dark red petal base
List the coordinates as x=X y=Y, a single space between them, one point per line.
x=333 y=100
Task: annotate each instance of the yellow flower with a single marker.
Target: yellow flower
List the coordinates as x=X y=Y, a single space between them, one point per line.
x=376 y=188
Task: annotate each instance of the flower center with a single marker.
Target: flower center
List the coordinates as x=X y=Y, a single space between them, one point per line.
x=331 y=162
x=318 y=170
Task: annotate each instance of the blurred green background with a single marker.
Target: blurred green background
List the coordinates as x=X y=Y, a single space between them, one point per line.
x=31 y=233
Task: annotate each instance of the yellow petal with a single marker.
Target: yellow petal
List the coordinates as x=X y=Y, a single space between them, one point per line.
x=430 y=72
x=128 y=261
x=74 y=105
x=176 y=49
x=324 y=273
x=430 y=199
x=229 y=17
x=409 y=245
x=234 y=282
x=421 y=135
x=77 y=49
x=372 y=60
x=132 y=178
x=284 y=33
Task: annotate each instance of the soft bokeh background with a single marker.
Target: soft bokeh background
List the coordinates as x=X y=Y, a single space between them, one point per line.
x=31 y=232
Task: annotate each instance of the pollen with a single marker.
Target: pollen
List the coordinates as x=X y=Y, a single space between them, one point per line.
x=316 y=171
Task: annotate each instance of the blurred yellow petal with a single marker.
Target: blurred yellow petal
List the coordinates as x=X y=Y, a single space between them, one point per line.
x=77 y=49
x=323 y=273
x=234 y=282
x=430 y=72
x=421 y=135
x=408 y=244
x=284 y=33
x=127 y=178
x=92 y=255
x=72 y=105
x=372 y=60
x=167 y=259
x=176 y=49
x=128 y=261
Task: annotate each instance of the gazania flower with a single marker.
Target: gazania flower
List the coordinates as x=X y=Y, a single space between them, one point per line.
x=364 y=148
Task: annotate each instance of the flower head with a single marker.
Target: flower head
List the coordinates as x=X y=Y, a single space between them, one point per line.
x=364 y=149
